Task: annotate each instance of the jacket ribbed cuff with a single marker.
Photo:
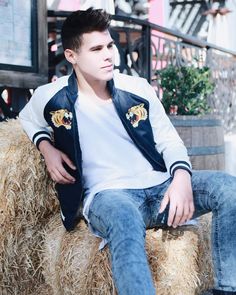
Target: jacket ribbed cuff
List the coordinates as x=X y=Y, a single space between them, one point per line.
x=40 y=136
x=180 y=165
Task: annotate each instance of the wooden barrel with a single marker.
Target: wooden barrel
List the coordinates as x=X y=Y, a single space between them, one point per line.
x=204 y=138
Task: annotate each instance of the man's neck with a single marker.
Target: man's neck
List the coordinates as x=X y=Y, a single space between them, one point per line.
x=94 y=88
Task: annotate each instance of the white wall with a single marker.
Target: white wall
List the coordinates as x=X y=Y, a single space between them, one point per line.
x=230 y=153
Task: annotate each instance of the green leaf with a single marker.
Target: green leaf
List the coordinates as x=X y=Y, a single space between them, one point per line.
x=186 y=87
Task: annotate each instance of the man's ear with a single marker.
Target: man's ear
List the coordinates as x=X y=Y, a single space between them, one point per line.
x=70 y=56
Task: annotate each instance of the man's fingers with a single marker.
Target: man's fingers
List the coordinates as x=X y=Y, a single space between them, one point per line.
x=61 y=177
x=66 y=175
x=178 y=215
x=186 y=214
x=56 y=176
x=164 y=203
x=191 y=210
x=171 y=214
x=68 y=161
x=53 y=177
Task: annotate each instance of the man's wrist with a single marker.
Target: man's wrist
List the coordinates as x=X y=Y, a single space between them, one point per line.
x=180 y=165
x=182 y=172
x=43 y=146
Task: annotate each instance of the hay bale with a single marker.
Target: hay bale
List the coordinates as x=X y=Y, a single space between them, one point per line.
x=205 y=265
x=20 y=262
x=179 y=250
x=70 y=261
x=25 y=188
x=42 y=290
x=27 y=200
x=73 y=265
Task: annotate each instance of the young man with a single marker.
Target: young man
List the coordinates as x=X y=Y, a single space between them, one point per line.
x=116 y=152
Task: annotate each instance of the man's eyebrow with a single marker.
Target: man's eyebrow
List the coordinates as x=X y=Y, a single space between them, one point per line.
x=101 y=45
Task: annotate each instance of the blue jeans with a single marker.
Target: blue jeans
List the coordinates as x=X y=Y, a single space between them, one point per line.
x=122 y=216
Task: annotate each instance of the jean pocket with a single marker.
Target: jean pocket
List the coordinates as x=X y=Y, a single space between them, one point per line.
x=158 y=220
x=150 y=212
x=162 y=218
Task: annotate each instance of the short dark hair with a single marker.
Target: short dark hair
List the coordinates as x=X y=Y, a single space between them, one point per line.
x=80 y=22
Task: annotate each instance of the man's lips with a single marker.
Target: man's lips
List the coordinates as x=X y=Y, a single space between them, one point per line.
x=108 y=66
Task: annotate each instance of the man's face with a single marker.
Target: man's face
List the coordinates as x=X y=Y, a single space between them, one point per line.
x=95 y=58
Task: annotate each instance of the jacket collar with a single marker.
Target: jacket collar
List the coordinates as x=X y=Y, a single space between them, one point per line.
x=111 y=87
x=72 y=88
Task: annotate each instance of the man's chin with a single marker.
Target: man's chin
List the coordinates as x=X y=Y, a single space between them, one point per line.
x=107 y=77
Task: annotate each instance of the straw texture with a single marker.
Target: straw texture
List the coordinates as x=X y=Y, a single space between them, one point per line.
x=73 y=265
x=27 y=200
x=205 y=265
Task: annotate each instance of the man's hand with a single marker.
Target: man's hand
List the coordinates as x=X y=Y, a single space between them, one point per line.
x=54 y=160
x=180 y=196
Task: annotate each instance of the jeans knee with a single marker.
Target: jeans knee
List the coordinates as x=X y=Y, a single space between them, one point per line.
x=224 y=190
x=127 y=221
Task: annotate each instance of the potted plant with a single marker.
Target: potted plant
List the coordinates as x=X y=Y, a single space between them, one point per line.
x=185 y=91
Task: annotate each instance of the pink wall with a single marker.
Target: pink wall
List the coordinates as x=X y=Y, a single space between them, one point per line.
x=157 y=15
x=156 y=12
x=69 y=5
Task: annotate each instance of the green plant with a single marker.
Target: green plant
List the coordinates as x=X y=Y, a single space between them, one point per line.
x=185 y=88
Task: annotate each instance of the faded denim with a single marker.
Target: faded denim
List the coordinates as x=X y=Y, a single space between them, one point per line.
x=122 y=216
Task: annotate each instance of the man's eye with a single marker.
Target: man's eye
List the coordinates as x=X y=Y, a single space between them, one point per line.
x=110 y=45
x=96 y=49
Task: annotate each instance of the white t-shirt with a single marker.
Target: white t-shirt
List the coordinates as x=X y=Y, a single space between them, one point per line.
x=110 y=159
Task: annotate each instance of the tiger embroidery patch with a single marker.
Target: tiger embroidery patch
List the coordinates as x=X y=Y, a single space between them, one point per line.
x=62 y=118
x=136 y=113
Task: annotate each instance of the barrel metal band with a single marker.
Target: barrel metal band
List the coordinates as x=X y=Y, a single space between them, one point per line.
x=196 y=123
x=205 y=150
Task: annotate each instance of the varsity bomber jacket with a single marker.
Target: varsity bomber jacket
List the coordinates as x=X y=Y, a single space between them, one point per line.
x=51 y=111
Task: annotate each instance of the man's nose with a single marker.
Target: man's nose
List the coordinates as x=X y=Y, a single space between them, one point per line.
x=108 y=53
